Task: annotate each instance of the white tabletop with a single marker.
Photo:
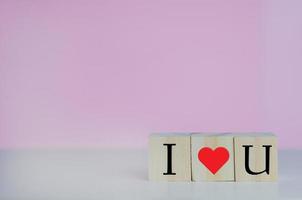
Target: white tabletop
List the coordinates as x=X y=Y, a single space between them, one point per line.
x=122 y=174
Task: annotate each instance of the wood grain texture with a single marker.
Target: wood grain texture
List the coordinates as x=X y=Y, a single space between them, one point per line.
x=199 y=171
x=181 y=157
x=257 y=157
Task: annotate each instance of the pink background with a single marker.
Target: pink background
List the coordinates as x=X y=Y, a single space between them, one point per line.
x=107 y=73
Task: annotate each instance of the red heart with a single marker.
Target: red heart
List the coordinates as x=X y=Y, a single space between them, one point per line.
x=213 y=160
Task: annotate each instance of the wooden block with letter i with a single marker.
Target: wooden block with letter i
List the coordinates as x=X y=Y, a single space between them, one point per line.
x=256 y=157
x=170 y=157
x=212 y=157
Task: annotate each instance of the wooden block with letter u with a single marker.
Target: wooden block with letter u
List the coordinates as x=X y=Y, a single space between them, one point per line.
x=212 y=157
x=170 y=157
x=256 y=157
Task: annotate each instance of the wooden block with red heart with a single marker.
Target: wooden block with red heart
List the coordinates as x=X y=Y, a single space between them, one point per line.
x=212 y=157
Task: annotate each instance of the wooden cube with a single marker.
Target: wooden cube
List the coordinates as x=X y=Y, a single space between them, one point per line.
x=256 y=157
x=170 y=157
x=212 y=157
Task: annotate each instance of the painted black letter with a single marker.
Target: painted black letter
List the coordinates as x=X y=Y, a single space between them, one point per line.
x=247 y=155
x=169 y=159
